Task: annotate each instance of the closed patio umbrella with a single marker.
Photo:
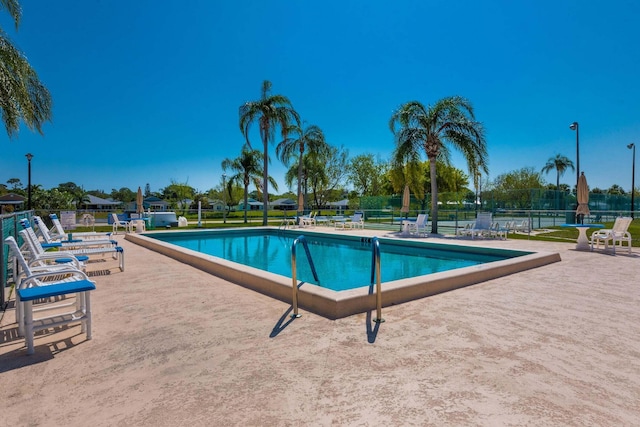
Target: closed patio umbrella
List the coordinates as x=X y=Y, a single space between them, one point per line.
x=583 y=198
x=406 y=199
x=139 y=202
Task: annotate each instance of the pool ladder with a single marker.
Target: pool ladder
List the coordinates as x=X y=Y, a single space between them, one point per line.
x=305 y=245
x=375 y=274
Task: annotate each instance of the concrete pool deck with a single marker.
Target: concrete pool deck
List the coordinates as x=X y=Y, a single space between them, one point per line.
x=173 y=345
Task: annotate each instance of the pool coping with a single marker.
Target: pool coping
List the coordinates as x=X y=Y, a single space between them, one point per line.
x=333 y=304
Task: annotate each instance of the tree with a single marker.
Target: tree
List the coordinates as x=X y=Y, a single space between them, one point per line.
x=368 y=176
x=311 y=138
x=15 y=183
x=248 y=168
x=270 y=111
x=79 y=197
x=23 y=98
x=513 y=189
x=178 y=194
x=124 y=195
x=615 y=189
x=325 y=173
x=450 y=120
x=560 y=163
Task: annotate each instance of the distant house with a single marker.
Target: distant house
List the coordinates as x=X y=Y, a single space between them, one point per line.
x=340 y=205
x=252 y=205
x=284 y=204
x=155 y=204
x=10 y=202
x=216 y=205
x=98 y=203
x=152 y=202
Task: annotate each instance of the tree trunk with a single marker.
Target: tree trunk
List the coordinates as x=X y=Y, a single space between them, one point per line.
x=300 y=211
x=246 y=199
x=265 y=182
x=434 y=196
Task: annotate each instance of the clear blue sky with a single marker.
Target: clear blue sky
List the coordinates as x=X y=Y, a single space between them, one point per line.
x=148 y=91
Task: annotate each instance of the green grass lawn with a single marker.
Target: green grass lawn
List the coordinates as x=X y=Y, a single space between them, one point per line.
x=571 y=234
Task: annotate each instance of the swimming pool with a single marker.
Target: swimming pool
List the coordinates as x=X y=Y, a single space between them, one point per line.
x=212 y=251
x=342 y=262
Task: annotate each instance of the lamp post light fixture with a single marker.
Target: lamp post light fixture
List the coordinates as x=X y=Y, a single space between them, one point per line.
x=29 y=156
x=224 y=197
x=574 y=126
x=633 y=175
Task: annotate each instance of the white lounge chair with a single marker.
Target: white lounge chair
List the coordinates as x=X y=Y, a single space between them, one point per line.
x=58 y=232
x=499 y=231
x=119 y=223
x=50 y=291
x=44 y=232
x=308 y=220
x=617 y=235
x=116 y=251
x=356 y=221
x=466 y=230
x=39 y=260
x=482 y=226
x=419 y=226
x=524 y=226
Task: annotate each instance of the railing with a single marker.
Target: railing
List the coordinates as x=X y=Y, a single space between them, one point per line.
x=294 y=265
x=375 y=274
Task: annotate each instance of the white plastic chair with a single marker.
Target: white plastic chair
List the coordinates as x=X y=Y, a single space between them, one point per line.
x=524 y=226
x=419 y=226
x=308 y=220
x=58 y=232
x=482 y=226
x=119 y=223
x=42 y=286
x=357 y=221
x=44 y=232
x=617 y=235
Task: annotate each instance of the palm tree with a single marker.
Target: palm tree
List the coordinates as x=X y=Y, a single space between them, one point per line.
x=311 y=138
x=22 y=96
x=270 y=111
x=249 y=169
x=560 y=163
x=451 y=120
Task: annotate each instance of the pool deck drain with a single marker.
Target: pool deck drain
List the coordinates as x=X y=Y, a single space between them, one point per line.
x=173 y=345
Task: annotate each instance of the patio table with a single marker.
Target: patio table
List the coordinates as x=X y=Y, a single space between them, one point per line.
x=583 y=242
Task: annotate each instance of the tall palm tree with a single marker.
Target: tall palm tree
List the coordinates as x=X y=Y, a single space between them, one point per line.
x=560 y=163
x=23 y=98
x=311 y=138
x=249 y=169
x=270 y=111
x=450 y=120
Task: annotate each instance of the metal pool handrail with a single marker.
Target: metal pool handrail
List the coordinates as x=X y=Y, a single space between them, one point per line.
x=375 y=273
x=302 y=240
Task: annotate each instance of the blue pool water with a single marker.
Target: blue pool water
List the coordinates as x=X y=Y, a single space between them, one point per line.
x=342 y=262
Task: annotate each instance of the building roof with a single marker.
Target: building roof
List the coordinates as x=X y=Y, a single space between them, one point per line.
x=11 y=199
x=95 y=200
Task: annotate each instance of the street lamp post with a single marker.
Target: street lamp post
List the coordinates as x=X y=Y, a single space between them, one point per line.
x=574 y=126
x=29 y=156
x=633 y=175
x=224 y=197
